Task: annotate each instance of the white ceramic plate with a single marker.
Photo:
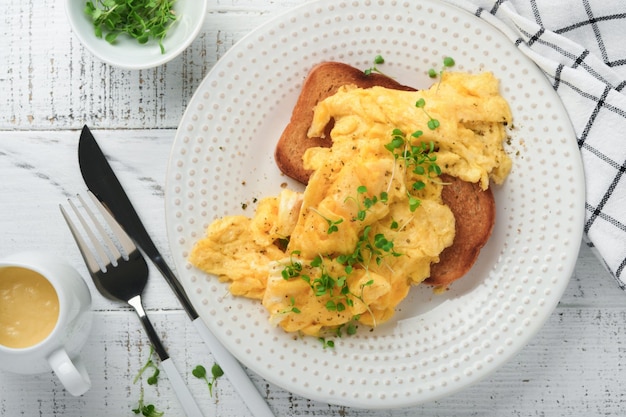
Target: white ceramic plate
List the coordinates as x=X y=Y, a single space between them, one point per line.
x=222 y=159
x=127 y=53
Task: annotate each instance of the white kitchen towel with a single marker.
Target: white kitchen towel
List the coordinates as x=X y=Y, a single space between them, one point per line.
x=581 y=47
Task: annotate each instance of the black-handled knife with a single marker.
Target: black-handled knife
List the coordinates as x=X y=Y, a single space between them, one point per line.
x=103 y=183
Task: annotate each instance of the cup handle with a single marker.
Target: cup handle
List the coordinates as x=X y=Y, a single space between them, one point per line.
x=72 y=374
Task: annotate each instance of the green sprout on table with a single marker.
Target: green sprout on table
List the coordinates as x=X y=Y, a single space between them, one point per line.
x=216 y=372
x=152 y=379
x=147 y=410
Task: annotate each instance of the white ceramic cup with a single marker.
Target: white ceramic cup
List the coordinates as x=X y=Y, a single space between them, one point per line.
x=39 y=332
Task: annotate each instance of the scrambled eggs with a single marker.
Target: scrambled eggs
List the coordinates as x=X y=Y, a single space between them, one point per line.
x=371 y=220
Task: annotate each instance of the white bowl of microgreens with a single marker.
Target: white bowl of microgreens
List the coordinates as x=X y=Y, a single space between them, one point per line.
x=136 y=34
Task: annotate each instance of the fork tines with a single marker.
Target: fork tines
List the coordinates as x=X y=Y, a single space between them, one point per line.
x=107 y=254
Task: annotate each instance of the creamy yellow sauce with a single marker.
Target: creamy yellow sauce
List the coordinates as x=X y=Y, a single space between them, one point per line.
x=308 y=233
x=29 y=307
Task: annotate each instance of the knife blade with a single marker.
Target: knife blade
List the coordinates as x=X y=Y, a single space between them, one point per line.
x=103 y=183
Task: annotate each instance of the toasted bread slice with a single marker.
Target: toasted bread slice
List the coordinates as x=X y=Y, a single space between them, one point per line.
x=323 y=81
x=474 y=213
x=473 y=209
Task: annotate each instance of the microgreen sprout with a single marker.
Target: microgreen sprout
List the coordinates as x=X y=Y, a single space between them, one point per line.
x=292 y=307
x=326 y=343
x=139 y=19
x=448 y=62
x=414 y=203
x=292 y=269
x=152 y=379
x=146 y=410
x=332 y=224
x=364 y=202
x=378 y=59
x=200 y=373
x=351 y=329
x=432 y=123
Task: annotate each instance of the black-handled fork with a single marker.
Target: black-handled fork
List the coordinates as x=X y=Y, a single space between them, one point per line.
x=120 y=273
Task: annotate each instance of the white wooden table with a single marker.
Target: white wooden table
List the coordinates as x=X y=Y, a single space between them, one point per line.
x=51 y=86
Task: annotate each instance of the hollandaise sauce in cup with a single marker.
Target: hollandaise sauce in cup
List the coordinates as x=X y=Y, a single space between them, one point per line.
x=29 y=307
x=45 y=318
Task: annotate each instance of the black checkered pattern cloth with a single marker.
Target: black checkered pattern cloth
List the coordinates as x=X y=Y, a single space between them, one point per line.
x=581 y=47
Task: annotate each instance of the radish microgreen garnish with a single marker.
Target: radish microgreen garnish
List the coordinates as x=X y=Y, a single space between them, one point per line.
x=147 y=410
x=292 y=307
x=293 y=269
x=332 y=224
x=448 y=62
x=326 y=343
x=432 y=123
x=200 y=373
x=378 y=59
x=152 y=379
x=364 y=202
x=140 y=19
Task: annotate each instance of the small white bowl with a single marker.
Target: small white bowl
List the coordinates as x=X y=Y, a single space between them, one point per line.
x=127 y=53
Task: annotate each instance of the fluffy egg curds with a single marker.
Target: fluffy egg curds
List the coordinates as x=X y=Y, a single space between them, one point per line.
x=371 y=220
